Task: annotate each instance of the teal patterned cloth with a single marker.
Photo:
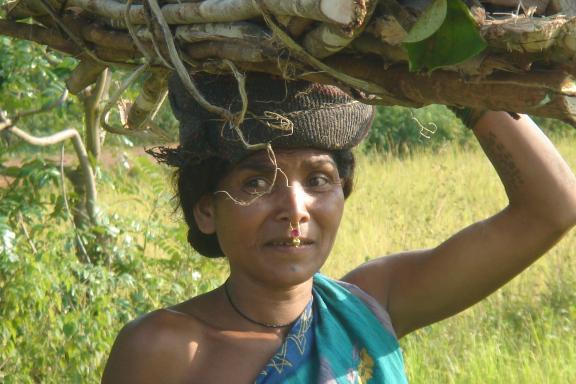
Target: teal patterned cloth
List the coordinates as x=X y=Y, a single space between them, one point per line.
x=343 y=336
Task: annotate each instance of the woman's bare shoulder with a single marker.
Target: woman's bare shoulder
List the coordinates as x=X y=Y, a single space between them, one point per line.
x=157 y=347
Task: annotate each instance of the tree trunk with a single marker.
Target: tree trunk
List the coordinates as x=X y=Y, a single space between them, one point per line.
x=92 y=97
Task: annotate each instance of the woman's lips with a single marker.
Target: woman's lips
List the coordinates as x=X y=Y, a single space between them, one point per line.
x=288 y=242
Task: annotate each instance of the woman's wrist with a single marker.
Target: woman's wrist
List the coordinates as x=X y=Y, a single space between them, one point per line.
x=471 y=116
x=468 y=116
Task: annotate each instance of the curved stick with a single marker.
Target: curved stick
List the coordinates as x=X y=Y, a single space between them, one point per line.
x=44 y=108
x=179 y=65
x=301 y=54
x=80 y=153
x=145 y=52
x=114 y=99
x=79 y=42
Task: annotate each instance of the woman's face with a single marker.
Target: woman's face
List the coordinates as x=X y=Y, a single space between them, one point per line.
x=256 y=237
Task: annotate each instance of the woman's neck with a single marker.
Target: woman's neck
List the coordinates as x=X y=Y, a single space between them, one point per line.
x=262 y=306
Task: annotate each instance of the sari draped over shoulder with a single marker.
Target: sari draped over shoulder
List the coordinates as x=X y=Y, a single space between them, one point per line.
x=343 y=336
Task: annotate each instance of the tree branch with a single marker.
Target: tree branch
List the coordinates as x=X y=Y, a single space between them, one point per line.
x=38 y=34
x=148 y=102
x=80 y=152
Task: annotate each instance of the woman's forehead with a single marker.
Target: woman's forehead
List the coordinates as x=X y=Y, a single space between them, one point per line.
x=286 y=157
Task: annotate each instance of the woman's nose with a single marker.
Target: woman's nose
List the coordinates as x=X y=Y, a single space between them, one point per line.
x=294 y=204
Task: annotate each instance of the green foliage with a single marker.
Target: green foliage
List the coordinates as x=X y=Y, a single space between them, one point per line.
x=30 y=78
x=555 y=128
x=60 y=316
x=400 y=131
x=445 y=34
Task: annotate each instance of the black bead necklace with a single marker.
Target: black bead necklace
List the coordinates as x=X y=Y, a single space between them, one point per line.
x=238 y=311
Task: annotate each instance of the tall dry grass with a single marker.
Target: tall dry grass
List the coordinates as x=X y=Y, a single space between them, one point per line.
x=526 y=331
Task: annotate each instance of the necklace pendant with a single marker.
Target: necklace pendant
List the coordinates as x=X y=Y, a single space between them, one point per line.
x=296 y=242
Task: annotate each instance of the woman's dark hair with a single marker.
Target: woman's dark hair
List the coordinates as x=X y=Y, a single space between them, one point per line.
x=196 y=180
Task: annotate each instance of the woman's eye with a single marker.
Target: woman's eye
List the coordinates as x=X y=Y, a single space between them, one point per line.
x=318 y=181
x=257 y=185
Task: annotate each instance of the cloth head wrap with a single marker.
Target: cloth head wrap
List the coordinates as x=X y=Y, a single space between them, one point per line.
x=288 y=114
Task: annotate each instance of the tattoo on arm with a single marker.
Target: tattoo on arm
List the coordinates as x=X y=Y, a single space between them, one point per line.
x=503 y=162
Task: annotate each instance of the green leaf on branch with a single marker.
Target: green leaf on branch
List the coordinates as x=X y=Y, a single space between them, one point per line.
x=445 y=34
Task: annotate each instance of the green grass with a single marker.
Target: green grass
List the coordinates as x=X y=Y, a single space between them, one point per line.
x=525 y=332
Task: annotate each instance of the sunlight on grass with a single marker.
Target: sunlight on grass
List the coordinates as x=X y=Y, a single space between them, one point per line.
x=526 y=332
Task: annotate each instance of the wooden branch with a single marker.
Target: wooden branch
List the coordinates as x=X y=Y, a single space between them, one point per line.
x=92 y=98
x=56 y=41
x=342 y=12
x=387 y=29
x=542 y=93
x=563 y=7
x=529 y=35
x=295 y=25
x=288 y=38
x=153 y=93
x=240 y=31
x=38 y=34
x=26 y=233
x=45 y=108
x=234 y=51
x=86 y=73
x=81 y=153
x=106 y=38
x=328 y=39
x=301 y=54
x=387 y=52
x=539 y=6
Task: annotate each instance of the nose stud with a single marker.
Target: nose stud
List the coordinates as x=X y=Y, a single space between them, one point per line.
x=295 y=234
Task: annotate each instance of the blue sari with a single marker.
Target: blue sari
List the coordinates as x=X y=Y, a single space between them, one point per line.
x=343 y=336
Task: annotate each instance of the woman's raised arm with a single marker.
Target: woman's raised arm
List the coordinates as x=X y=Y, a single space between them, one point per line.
x=422 y=287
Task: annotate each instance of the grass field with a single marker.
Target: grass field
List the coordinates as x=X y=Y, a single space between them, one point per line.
x=524 y=333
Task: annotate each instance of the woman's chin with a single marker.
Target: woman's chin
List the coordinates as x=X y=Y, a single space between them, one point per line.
x=291 y=251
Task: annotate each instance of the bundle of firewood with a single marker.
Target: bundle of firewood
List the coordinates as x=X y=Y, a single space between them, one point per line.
x=514 y=55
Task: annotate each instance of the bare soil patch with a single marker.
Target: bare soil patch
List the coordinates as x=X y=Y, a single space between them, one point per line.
x=109 y=158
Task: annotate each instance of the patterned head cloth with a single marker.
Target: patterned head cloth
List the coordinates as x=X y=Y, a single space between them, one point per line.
x=287 y=114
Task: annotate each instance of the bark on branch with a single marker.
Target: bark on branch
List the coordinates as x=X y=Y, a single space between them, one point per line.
x=354 y=44
x=342 y=12
x=67 y=134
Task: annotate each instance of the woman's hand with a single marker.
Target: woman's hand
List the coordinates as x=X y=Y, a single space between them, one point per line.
x=422 y=287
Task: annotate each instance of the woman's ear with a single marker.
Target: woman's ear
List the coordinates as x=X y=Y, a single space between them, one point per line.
x=204 y=215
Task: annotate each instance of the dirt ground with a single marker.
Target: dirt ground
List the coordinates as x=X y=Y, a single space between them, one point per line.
x=109 y=158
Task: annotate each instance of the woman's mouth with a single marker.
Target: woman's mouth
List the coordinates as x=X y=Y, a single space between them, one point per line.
x=289 y=242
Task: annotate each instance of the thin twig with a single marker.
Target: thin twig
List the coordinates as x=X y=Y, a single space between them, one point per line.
x=80 y=152
x=26 y=234
x=79 y=42
x=116 y=96
x=4 y=363
x=179 y=65
x=45 y=108
x=300 y=53
x=239 y=117
x=257 y=195
x=141 y=47
x=67 y=206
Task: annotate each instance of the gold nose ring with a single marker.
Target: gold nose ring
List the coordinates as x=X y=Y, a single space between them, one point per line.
x=295 y=234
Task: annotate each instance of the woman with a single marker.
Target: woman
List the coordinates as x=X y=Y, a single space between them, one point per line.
x=274 y=215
